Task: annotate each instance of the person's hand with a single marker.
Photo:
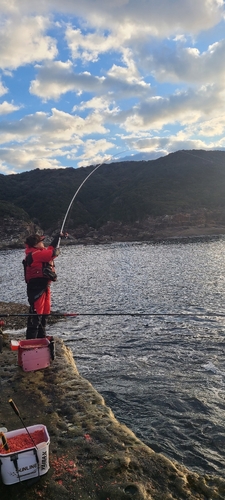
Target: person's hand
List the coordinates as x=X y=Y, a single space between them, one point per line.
x=63 y=235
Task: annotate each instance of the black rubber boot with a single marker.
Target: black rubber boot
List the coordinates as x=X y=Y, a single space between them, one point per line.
x=42 y=327
x=32 y=325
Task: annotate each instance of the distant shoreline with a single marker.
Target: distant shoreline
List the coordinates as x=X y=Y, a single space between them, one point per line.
x=170 y=235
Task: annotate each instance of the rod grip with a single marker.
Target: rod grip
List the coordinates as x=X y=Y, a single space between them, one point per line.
x=14 y=407
x=4 y=441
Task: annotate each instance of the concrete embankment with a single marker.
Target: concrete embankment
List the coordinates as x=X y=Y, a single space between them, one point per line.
x=92 y=455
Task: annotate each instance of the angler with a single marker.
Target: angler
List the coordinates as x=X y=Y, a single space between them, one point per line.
x=39 y=271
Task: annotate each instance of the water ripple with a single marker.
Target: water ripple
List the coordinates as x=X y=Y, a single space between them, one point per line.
x=162 y=376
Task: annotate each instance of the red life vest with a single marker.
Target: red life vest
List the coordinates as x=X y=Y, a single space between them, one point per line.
x=39 y=263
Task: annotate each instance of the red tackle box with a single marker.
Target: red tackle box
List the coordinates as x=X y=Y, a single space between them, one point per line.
x=34 y=354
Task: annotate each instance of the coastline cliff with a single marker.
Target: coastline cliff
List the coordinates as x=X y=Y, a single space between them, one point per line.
x=92 y=455
x=179 y=227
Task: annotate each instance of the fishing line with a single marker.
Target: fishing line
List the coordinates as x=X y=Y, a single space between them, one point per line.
x=196 y=156
x=98 y=166
x=201 y=157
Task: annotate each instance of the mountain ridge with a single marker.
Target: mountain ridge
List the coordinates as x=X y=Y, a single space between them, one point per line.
x=183 y=189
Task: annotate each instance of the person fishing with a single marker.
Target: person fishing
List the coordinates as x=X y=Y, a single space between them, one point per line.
x=39 y=272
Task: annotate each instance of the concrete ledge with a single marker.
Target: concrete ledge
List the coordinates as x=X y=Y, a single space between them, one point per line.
x=92 y=455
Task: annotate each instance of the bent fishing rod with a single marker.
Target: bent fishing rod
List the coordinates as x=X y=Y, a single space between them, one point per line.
x=137 y=314
x=85 y=180
x=79 y=188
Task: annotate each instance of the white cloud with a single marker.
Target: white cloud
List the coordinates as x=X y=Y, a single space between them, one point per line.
x=7 y=107
x=57 y=78
x=186 y=64
x=159 y=17
x=128 y=72
x=184 y=107
x=5 y=169
x=94 y=152
x=88 y=46
x=209 y=128
x=19 y=159
x=59 y=128
x=38 y=141
x=3 y=89
x=167 y=144
x=99 y=103
x=142 y=73
x=96 y=146
x=23 y=41
x=31 y=156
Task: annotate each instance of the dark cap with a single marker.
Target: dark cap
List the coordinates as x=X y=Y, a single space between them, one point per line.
x=34 y=239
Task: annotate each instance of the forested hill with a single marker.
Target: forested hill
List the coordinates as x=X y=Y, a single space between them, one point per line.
x=124 y=192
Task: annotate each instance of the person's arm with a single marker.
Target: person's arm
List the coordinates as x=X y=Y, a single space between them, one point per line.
x=55 y=240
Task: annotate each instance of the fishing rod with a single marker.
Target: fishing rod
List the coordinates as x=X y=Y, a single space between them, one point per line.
x=15 y=409
x=96 y=168
x=4 y=442
x=79 y=188
x=17 y=412
x=73 y=315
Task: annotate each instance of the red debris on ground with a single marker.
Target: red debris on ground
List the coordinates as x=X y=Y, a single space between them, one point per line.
x=64 y=465
x=23 y=441
x=87 y=437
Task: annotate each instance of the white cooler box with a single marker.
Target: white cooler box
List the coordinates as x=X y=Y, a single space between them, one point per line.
x=25 y=463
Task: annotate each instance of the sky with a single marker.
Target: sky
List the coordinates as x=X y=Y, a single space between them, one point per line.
x=88 y=81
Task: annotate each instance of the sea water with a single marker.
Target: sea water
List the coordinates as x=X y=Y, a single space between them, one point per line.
x=149 y=336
